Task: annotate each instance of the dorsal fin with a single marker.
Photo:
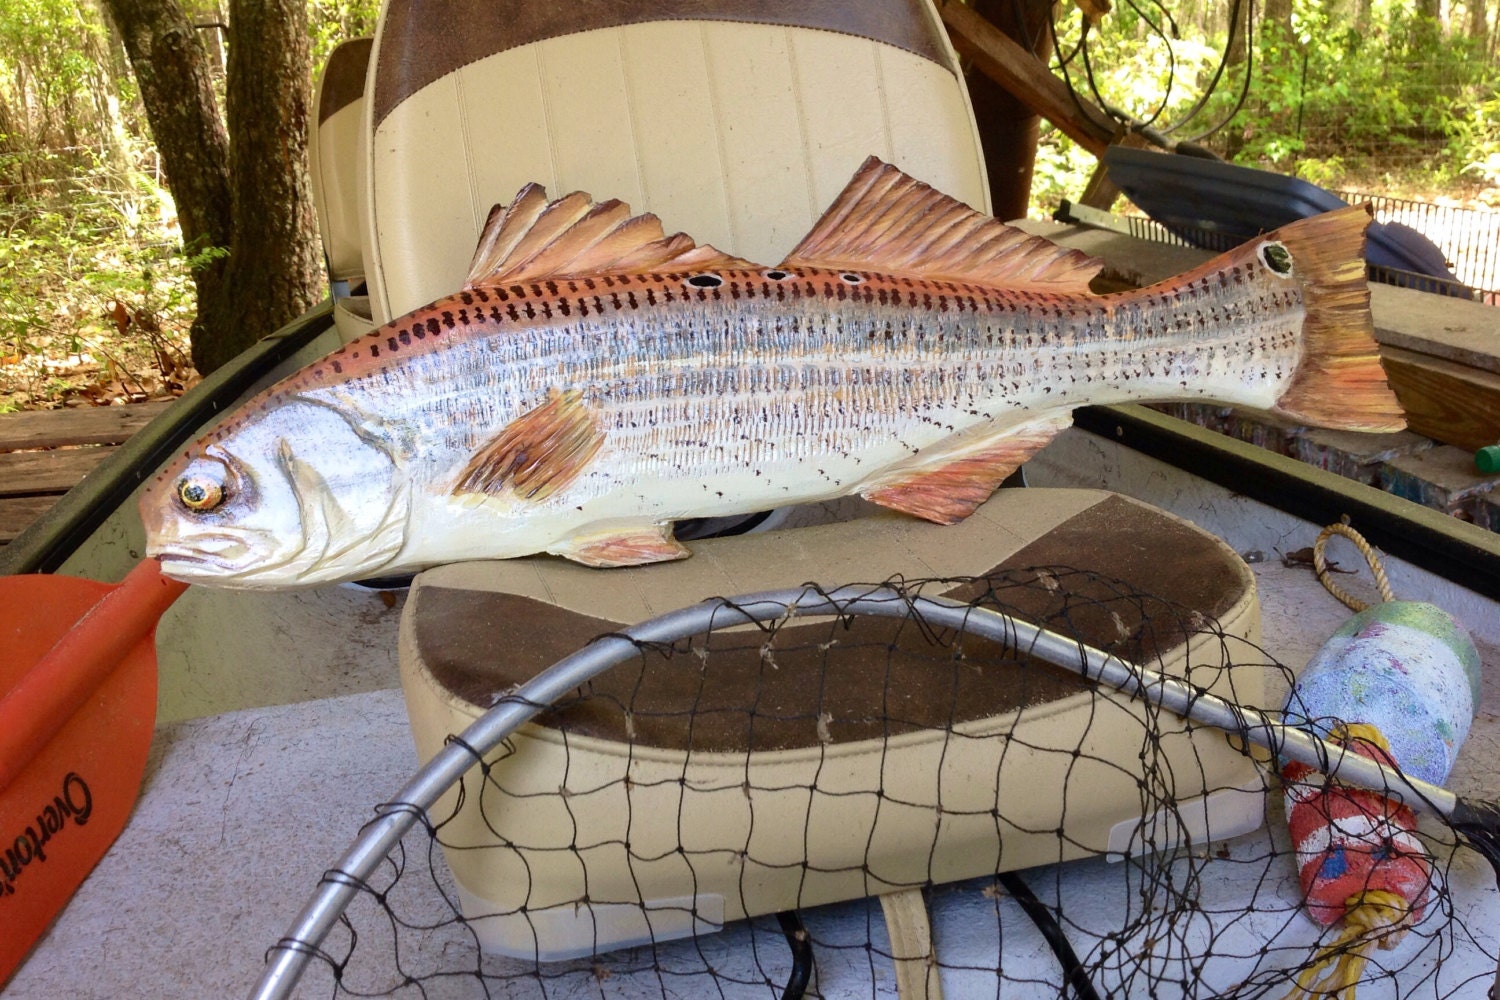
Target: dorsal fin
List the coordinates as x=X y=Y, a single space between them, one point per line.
x=573 y=237
x=888 y=222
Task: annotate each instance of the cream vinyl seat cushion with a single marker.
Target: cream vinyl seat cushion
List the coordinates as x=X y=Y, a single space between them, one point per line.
x=678 y=795
x=736 y=121
x=337 y=160
x=334 y=150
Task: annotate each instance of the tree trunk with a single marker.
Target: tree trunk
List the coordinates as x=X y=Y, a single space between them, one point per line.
x=171 y=69
x=1479 y=28
x=274 y=267
x=1279 y=13
x=1237 y=28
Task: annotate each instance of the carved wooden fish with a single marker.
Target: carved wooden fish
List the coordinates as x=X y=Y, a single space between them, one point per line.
x=595 y=381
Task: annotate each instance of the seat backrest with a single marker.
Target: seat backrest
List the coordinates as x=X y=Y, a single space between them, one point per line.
x=735 y=121
x=335 y=154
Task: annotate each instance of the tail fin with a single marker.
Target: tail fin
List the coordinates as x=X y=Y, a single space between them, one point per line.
x=1339 y=383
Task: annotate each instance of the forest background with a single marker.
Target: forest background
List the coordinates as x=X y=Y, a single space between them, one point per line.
x=97 y=291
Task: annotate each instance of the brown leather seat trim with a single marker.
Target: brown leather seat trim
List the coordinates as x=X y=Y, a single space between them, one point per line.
x=883 y=676
x=344 y=77
x=420 y=45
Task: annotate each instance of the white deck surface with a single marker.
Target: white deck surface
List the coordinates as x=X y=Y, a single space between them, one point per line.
x=241 y=813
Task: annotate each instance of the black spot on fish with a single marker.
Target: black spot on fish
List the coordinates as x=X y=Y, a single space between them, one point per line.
x=392 y=344
x=374 y=351
x=705 y=281
x=434 y=328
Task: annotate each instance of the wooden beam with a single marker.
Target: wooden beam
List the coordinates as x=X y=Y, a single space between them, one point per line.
x=17 y=512
x=1027 y=77
x=1449 y=402
x=85 y=425
x=1008 y=129
x=31 y=473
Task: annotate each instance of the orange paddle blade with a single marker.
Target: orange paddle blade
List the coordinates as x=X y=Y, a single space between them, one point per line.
x=77 y=710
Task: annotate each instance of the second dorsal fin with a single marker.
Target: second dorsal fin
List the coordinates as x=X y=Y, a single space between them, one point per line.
x=533 y=239
x=889 y=222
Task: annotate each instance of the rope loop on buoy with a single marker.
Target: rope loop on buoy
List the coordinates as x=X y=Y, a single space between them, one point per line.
x=1372 y=559
x=1375 y=917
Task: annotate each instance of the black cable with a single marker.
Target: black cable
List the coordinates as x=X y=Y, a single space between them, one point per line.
x=802 y=955
x=1083 y=113
x=1249 y=72
x=1213 y=84
x=1077 y=976
x=1161 y=32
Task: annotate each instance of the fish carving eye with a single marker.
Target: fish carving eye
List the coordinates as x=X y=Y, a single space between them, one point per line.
x=1276 y=257
x=199 y=493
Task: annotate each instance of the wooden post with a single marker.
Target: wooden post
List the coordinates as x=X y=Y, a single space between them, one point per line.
x=1008 y=127
x=1027 y=77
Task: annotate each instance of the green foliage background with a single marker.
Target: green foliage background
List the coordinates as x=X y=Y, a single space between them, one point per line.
x=1401 y=105
x=96 y=293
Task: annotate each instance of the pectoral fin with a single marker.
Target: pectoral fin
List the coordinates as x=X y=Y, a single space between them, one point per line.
x=632 y=547
x=949 y=489
x=538 y=453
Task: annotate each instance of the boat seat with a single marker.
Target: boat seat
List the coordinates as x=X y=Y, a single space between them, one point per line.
x=335 y=160
x=736 y=121
x=685 y=786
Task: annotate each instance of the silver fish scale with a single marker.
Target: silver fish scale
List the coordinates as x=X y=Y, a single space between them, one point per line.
x=699 y=389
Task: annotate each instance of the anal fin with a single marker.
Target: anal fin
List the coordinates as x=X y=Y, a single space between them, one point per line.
x=629 y=547
x=949 y=489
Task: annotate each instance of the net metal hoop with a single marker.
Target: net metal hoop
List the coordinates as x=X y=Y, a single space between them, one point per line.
x=288 y=958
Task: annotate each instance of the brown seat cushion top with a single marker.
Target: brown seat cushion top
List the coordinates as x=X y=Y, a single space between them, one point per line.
x=1139 y=580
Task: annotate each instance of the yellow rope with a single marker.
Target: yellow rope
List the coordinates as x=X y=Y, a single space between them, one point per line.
x=1320 y=566
x=1347 y=732
x=1372 y=917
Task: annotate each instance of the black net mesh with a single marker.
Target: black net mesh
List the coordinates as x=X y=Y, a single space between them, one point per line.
x=719 y=817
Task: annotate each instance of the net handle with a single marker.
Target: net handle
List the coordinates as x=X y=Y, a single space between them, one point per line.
x=287 y=960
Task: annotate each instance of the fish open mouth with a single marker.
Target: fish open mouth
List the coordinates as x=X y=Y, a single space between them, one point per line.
x=222 y=553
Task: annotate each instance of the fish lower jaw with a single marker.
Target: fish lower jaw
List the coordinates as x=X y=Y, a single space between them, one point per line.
x=198 y=567
x=193 y=569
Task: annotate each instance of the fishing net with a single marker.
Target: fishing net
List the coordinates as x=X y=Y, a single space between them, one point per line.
x=800 y=758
